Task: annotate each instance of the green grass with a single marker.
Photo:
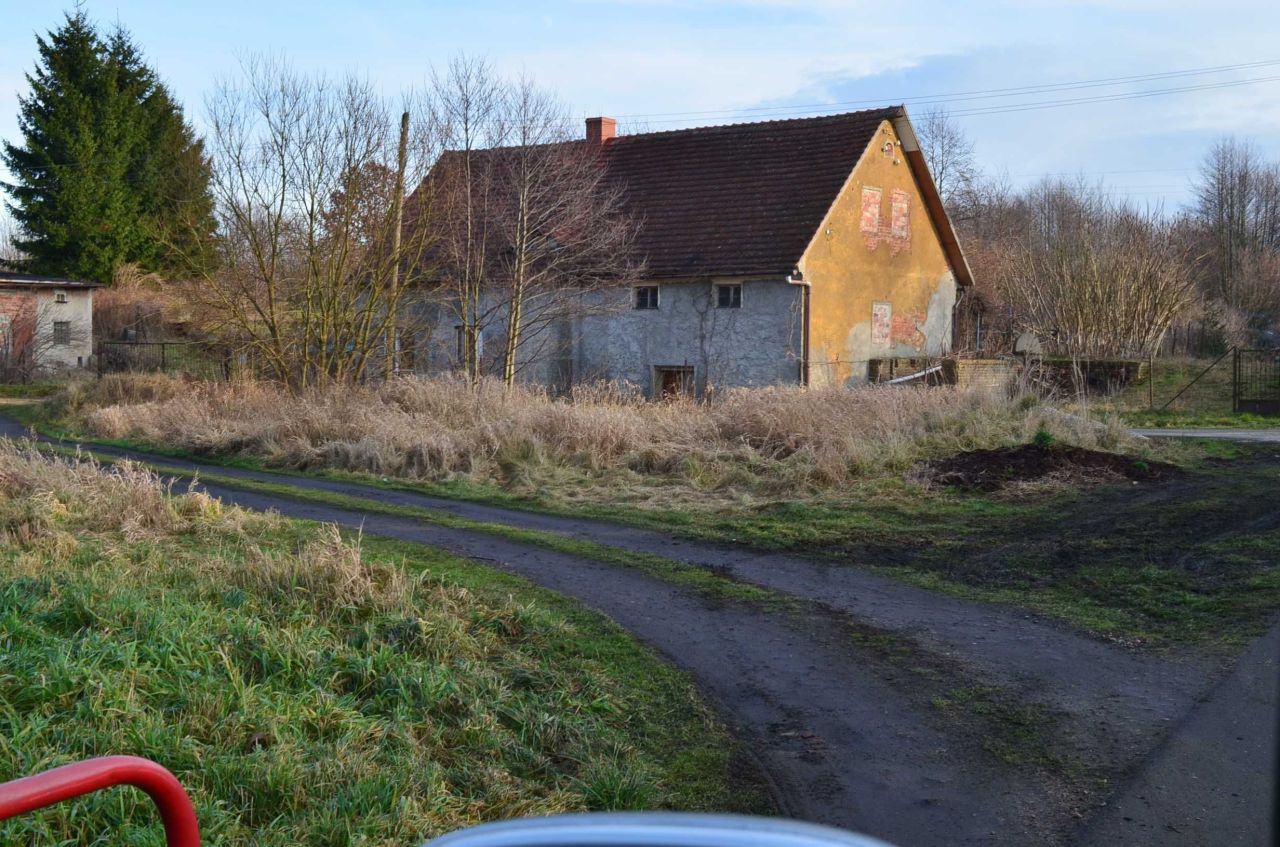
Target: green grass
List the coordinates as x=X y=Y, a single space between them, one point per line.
x=315 y=690
x=30 y=390
x=1168 y=419
x=1183 y=393
x=1027 y=731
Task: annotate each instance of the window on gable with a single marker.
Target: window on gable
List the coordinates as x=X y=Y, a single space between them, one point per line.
x=646 y=297
x=59 y=296
x=62 y=333
x=728 y=296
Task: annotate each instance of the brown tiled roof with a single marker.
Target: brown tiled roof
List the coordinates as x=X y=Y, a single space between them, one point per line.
x=745 y=199
x=741 y=199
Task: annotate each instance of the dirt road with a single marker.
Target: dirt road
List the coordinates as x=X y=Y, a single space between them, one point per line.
x=847 y=735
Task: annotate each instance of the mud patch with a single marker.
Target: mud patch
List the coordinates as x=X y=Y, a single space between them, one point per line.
x=991 y=470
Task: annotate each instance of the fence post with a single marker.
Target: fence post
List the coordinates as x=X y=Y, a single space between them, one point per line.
x=1151 y=380
x=1235 y=381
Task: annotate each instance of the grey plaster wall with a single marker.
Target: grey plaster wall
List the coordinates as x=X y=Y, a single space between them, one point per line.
x=756 y=344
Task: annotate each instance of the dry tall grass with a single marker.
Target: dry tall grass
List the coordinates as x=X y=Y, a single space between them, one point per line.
x=767 y=439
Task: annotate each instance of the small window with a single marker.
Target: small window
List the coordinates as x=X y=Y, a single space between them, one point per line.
x=62 y=333
x=59 y=296
x=728 y=296
x=646 y=296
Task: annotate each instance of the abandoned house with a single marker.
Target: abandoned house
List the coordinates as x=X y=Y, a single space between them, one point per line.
x=46 y=324
x=779 y=252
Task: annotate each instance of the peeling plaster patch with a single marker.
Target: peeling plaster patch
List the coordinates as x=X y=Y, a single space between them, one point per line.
x=857 y=349
x=909 y=329
x=871 y=224
x=937 y=322
x=870 y=219
x=894 y=333
x=881 y=323
x=899 y=221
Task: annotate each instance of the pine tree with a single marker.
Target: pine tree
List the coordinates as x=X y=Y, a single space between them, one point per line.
x=108 y=171
x=170 y=174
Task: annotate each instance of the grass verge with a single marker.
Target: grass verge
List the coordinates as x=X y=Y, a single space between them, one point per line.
x=310 y=687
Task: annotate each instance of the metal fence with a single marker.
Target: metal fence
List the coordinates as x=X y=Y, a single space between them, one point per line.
x=191 y=358
x=1256 y=382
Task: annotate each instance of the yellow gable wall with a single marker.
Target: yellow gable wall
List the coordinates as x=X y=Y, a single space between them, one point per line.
x=857 y=264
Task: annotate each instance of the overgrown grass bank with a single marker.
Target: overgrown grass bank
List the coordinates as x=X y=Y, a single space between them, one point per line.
x=602 y=445
x=310 y=688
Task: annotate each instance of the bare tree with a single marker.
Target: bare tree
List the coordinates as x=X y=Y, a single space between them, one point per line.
x=532 y=226
x=10 y=255
x=1238 y=210
x=467 y=103
x=1097 y=277
x=949 y=154
x=562 y=231
x=304 y=182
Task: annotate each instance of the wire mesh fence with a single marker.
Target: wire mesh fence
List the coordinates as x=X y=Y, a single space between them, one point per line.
x=189 y=358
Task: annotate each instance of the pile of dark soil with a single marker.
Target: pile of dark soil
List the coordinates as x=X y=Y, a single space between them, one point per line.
x=990 y=470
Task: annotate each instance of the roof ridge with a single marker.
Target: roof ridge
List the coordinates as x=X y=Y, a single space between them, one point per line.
x=884 y=110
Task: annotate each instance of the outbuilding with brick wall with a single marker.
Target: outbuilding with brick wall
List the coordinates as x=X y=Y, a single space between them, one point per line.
x=46 y=324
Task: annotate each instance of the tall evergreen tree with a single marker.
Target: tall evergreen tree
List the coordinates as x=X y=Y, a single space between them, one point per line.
x=109 y=172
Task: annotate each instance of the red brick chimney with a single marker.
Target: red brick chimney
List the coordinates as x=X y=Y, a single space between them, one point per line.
x=600 y=130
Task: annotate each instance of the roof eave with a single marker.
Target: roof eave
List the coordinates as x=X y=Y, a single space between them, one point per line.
x=932 y=200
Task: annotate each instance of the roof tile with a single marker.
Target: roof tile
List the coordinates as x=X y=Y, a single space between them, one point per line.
x=740 y=199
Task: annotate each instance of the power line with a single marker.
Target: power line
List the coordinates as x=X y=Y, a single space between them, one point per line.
x=1106 y=173
x=1048 y=104
x=1108 y=98
x=957 y=96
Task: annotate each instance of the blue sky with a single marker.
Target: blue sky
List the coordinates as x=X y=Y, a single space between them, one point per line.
x=651 y=62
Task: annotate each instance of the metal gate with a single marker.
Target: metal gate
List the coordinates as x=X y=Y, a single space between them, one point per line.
x=1256 y=382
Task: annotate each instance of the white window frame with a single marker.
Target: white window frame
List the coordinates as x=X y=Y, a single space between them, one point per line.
x=635 y=298
x=59 y=328
x=730 y=285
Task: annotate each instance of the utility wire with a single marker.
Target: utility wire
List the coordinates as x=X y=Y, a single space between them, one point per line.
x=1035 y=105
x=925 y=99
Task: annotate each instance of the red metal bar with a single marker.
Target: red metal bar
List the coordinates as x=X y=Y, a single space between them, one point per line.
x=44 y=789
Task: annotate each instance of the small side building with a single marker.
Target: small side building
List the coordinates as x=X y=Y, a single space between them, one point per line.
x=46 y=324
